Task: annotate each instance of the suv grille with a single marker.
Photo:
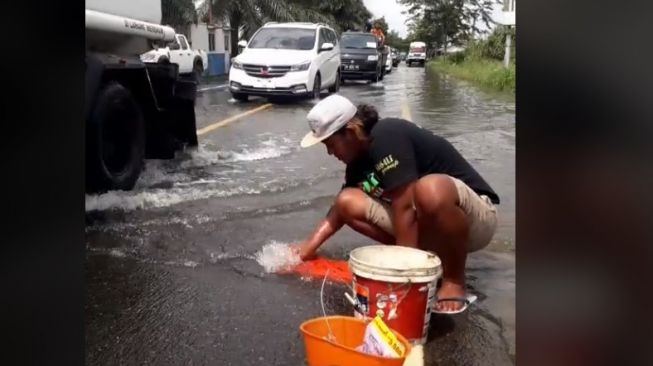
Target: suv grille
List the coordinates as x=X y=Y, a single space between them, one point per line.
x=262 y=71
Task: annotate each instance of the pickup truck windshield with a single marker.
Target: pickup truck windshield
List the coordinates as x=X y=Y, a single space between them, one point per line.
x=284 y=38
x=417 y=50
x=358 y=41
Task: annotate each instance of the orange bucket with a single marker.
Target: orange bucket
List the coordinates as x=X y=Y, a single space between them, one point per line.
x=348 y=332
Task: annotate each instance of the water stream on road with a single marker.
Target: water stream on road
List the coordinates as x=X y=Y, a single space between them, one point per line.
x=220 y=216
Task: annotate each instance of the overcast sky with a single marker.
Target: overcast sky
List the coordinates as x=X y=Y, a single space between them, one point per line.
x=391 y=9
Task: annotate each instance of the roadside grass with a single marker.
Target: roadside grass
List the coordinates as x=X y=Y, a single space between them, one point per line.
x=483 y=72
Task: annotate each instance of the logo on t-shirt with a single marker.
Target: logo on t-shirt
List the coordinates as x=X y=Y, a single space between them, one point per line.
x=386 y=164
x=371 y=185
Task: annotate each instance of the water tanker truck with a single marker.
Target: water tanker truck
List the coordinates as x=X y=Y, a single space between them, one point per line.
x=133 y=110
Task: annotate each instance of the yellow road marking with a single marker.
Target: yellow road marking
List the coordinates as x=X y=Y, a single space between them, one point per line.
x=226 y=121
x=405 y=110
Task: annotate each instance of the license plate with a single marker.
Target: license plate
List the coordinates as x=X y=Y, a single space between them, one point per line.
x=351 y=67
x=264 y=83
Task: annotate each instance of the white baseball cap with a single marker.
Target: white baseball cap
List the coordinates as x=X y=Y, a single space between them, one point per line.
x=327 y=117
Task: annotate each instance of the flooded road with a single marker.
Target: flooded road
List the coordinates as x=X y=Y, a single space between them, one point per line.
x=171 y=276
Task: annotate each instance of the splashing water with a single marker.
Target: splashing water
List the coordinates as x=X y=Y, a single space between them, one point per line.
x=276 y=256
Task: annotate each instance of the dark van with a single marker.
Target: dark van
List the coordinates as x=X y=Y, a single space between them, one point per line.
x=361 y=57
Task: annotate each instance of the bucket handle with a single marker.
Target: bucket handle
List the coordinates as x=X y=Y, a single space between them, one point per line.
x=330 y=337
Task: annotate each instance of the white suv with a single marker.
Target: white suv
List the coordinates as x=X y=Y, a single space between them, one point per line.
x=287 y=59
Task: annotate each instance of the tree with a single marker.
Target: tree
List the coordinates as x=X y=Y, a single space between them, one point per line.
x=382 y=23
x=444 y=22
x=178 y=13
x=347 y=14
x=246 y=16
x=393 y=39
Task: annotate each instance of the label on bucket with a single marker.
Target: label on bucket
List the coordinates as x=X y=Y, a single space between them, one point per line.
x=362 y=294
x=430 y=300
x=381 y=341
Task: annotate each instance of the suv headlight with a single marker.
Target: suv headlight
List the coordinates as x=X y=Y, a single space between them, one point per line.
x=372 y=57
x=236 y=65
x=301 y=67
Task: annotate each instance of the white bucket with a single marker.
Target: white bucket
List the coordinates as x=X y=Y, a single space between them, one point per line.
x=398 y=283
x=396 y=264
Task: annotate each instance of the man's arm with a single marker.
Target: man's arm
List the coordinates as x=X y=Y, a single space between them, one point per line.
x=403 y=215
x=324 y=230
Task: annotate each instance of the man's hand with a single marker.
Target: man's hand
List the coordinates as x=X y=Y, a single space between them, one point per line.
x=304 y=250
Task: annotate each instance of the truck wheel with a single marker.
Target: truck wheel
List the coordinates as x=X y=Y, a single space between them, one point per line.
x=198 y=70
x=115 y=140
x=317 y=87
x=240 y=97
x=163 y=60
x=336 y=85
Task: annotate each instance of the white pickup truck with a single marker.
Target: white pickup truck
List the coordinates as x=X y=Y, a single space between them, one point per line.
x=191 y=62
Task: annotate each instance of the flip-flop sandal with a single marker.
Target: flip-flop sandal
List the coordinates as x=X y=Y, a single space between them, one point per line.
x=467 y=300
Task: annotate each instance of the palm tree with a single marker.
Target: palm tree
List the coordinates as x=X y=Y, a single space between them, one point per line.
x=246 y=16
x=178 y=13
x=348 y=14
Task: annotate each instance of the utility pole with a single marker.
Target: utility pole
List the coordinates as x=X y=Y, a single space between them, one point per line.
x=210 y=12
x=509 y=20
x=506 y=55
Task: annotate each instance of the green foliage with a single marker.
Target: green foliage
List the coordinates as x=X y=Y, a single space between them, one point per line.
x=178 y=12
x=493 y=47
x=456 y=57
x=486 y=73
x=246 y=16
x=346 y=14
x=440 y=23
x=393 y=39
x=383 y=24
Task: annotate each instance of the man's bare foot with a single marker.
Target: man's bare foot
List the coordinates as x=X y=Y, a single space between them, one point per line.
x=450 y=289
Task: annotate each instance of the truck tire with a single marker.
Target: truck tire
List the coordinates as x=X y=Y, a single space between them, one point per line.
x=163 y=60
x=240 y=96
x=115 y=140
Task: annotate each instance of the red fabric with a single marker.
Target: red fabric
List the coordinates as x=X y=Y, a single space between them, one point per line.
x=318 y=267
x=378 y=32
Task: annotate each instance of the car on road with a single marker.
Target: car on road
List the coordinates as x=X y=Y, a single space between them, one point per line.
x=287 y=59
x=389 y=60
x=395 y=57
x=361 y=57
x=416 y=53
x=191 y=62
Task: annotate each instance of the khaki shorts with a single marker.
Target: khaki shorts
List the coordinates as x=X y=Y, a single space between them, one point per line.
x=481 y=214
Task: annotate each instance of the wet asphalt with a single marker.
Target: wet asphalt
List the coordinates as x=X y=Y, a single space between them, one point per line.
x=170 y=272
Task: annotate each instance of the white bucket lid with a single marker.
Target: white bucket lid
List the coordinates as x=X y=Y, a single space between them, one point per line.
x=394 y=263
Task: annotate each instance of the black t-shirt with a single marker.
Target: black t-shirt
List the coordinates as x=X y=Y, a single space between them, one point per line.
x=401 y=152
